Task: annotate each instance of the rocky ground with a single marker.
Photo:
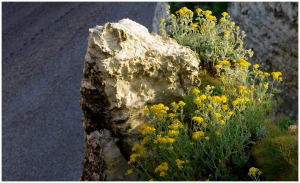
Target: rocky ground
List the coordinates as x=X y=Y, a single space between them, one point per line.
x=43 y=49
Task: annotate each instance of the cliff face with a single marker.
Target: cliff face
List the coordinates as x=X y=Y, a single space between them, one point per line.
x=272 y=33
x=127 y=69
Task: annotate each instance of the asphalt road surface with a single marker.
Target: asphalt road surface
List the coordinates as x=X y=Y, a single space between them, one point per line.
x=43 y=49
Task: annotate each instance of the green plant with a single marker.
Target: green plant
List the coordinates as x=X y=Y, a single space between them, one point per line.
x=212 y=40
x=277 y=154
x=210 y=133
x=285 y=123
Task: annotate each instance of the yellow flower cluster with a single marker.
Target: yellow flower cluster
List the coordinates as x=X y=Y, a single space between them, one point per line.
x=198 y=100
x=146 y=129
x=197 y=119
x=217 y=99
x=224 y=14
x=162 y=168
x=179 y=163
x=238 y=101
x=161 y=20
x=198 y=10
x=195 y=91
x=133 y=158
x=164 y=140
x=224 y=62
x=162 y=31
x=184 y=11
x=194 y=25
x=218 y=115
x=171 y=115
x=276 y=75
x=173 y=133
x=255 y=66
x=242 y=89
x=243 y=63
x=254 y=171
x=226 y=32
x=159 y=110
x=206 y=12
x=197 y=134
x=130 y=171
x=175 y=126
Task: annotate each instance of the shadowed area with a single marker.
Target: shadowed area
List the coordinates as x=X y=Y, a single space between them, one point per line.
x=43 y=49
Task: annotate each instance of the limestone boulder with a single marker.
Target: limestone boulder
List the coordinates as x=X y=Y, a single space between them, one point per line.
x=127 y=69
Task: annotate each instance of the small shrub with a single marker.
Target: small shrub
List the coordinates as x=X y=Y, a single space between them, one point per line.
x=277 y=154
x=210 y=133
x=285 y=123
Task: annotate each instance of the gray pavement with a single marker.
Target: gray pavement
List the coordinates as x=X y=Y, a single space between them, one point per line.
x=43 y=49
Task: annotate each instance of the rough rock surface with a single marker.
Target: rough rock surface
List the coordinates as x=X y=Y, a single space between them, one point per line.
x=127 y=69
x=272 y=33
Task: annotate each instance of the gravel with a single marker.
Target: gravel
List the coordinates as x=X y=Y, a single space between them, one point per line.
x=43 y=49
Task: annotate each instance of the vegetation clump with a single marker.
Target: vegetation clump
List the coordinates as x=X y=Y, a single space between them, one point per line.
x=211 y=133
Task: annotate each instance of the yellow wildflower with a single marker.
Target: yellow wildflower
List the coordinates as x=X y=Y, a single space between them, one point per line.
x=208 y=87
x=222 y=122
x=210 y=17
x=151 y=180
x=198 y=101
x=179 y=163
x=218 y=132
x=266 y=85
x=207 y=12
x=133 y=158
x=217 y=67
x=243 y=63
x=203 y=27
x=224 y=107
x=171 y=115
x=162 y=31
x=224 y=62
x=217 y=115
x=197 y=119
x=176 y=126
x=180 y=103
x=255 y=66
x=159 y=110
x=224 y=14
x=130 y=171
x=266 y=74
x=197 y=134
x=164 y=166
x=162 y=174
x=222 y=20
x=206 y=138
x=237 y=101
x=226 y=32
x=172 y=15
x=195 y=91
x=223 y=98
x=174 y=105
x=254 y=171
x=276 y=75
x=194 y=25
x=173 y=133
x=145 y=129
x=198 y=10
x=161 y=20
x=232 y=24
